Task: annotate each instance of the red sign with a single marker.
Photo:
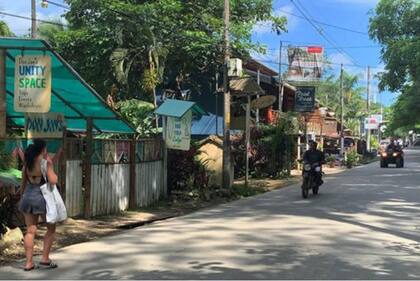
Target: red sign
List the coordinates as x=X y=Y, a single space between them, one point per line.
x=315 y=50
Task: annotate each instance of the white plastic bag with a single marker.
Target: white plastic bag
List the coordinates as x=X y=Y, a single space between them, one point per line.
x=56 y=209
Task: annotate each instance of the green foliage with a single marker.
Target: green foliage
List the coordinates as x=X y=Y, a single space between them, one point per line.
x=141 y=45
x=272 y=150
x=330 y=159
x=48 y=31
x=374 y=142
x=352 y=159
x=5 y=30
x=404 y=115
x=395 y=25
x=354 y=101
x=140 y=114
x=185 y=170
x=6 y=159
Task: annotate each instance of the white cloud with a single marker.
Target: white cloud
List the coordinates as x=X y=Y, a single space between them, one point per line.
x=337 y=58
x=264 y=27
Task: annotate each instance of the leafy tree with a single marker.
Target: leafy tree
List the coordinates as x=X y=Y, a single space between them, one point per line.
x=354 y=101
x=139 y=45
x=5 y=30
x=49 y=31
x=140 y=114
x=396 y=26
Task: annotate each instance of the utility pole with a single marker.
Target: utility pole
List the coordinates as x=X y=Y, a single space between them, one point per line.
x=2 y=93
x=368 y=108
x=281 y=90
x=226 y=131
x=342 y=113
x=257 y=111
x=33 y=27
x=280 y=80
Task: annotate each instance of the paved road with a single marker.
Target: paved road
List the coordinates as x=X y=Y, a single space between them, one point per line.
x=365 y=224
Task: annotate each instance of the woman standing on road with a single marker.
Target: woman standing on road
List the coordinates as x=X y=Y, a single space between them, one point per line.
x=37 y=169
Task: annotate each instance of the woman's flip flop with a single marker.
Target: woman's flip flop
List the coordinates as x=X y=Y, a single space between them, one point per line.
x=49 y=264
x=31 y=268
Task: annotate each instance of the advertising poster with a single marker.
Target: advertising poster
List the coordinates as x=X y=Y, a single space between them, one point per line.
x=305 y=63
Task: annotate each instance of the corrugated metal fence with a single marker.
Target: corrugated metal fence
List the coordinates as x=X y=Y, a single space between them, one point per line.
x=110 y=176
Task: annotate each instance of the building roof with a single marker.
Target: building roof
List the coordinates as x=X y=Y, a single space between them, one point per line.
x=206 y=125
x=70 y=94
x=213 y=139
x=245 y=86
x=255 y=65
x=177 y=108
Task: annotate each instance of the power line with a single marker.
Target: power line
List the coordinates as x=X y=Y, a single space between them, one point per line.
x=326 y=24
x=38 y=20
x=321 y=32
x=341 y=47
x=57 y=4
x=324 y=62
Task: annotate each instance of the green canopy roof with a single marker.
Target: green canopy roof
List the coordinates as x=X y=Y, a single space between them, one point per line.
x=177 y=108
x=71 y=95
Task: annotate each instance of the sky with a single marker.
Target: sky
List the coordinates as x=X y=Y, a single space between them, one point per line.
x=356 y=52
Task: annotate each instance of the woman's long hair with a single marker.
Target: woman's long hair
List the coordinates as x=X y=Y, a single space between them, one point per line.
x=32 y=152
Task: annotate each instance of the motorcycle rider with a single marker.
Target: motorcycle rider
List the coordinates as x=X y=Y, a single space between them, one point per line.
x=314 y=155
x=394 y=146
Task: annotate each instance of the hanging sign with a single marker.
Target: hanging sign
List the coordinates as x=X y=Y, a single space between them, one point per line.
x=305 y=99
x=32 y=84
x=178 y=132
x=44 y=125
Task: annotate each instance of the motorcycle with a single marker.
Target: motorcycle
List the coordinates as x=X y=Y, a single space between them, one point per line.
x=310 y=173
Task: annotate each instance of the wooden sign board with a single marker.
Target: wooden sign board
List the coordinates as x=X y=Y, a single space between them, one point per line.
x=32 y=84
x=44 y=125
x=178 y=132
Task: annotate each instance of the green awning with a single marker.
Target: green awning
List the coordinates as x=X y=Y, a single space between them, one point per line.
x=71 y=95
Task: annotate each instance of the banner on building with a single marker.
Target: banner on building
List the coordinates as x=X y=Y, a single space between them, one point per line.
x=32 y=84
x=305 y=63
x=305 y=99
x=44 y=125
x=178 y=132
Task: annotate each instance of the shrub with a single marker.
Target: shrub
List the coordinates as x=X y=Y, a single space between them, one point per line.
x=330 y=160
x=352 y=159
x=185 y=171
x=6 y=159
